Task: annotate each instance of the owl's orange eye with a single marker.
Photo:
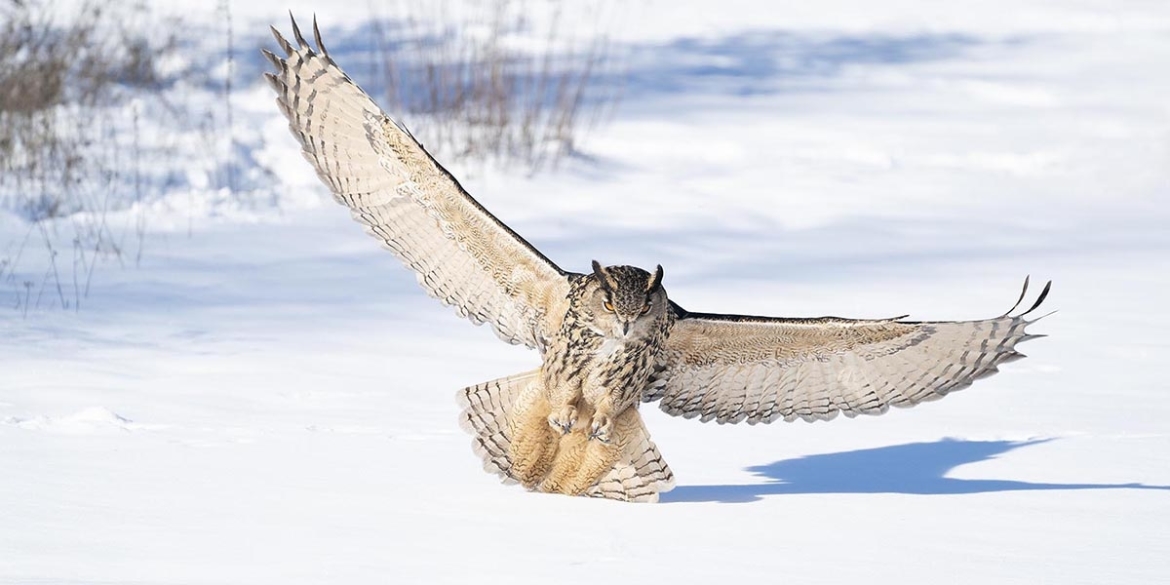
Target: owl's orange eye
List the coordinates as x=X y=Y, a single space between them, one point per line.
x=608 y=306
x=646 y=309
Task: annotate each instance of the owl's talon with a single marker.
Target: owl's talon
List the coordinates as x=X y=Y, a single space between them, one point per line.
x=563 y=419
x=600 y=427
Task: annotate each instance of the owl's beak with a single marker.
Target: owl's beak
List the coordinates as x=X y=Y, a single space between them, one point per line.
x=625 y=327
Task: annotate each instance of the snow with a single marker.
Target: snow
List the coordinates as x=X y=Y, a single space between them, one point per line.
x=268 y=396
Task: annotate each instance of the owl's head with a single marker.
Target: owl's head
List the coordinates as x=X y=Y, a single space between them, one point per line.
x=628 y=299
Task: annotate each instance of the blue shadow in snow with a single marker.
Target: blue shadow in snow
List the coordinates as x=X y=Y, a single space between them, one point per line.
x=913 y=468
x=770 y=61
x=749 y=62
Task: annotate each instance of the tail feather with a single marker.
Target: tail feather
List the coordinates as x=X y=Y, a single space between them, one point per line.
x=640 y=474
x=492 y=410
x=488 y=411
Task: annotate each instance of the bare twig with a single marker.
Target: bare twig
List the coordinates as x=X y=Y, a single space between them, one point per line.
x=484 y=96
x=63 y=83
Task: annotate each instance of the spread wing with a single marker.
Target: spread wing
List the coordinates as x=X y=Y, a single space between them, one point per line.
x=462 y=254
x=732 y=368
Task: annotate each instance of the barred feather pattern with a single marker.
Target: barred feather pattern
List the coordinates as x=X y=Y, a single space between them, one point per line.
x=488 y=416
x=461 y=254
x=756 y=369
x=639 y=475
x=726 y=368
x=492 y=410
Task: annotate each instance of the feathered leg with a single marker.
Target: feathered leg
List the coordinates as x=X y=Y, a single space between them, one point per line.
x=534 y=444
x=580 y=461
x=508 y=419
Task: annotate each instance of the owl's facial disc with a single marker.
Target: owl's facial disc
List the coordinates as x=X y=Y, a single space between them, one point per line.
x=628 y=294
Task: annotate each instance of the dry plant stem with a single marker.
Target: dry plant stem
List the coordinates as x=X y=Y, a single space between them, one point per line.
x=64 y=85
x=485 y=97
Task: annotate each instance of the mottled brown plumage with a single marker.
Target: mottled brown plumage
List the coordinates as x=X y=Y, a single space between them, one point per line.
x=594 y=371
x=609 y=338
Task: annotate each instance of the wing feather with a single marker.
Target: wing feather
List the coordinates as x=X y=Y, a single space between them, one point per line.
x=731 y=368
x=460 y=253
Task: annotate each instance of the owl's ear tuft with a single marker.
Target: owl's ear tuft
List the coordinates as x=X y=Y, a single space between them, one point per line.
x=655 y=281
x=602 y=277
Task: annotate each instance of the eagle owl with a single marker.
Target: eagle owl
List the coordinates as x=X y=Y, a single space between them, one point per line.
x=609 y=338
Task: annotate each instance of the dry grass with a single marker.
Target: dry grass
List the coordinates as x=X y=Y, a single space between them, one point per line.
x=82 y=103
x=493 y=84
x=54 y=74
x=64 y=84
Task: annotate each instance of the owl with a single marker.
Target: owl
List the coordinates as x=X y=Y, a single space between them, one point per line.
x=609 y=338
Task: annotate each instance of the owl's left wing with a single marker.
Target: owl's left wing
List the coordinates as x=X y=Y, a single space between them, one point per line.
x=461 y=254
x=731 y=368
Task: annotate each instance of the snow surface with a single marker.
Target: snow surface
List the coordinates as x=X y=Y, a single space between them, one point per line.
x=268 y=397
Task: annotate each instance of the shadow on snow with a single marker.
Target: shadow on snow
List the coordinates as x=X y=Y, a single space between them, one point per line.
x=913 y=468
x=771 y=61
x=751 y=62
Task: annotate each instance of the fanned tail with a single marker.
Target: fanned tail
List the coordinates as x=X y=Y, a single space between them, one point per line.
x=640 y=473
x=493 y=411
x=488 y=411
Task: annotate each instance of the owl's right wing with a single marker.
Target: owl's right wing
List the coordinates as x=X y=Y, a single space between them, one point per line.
x=731 y=368
x=462 y=254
